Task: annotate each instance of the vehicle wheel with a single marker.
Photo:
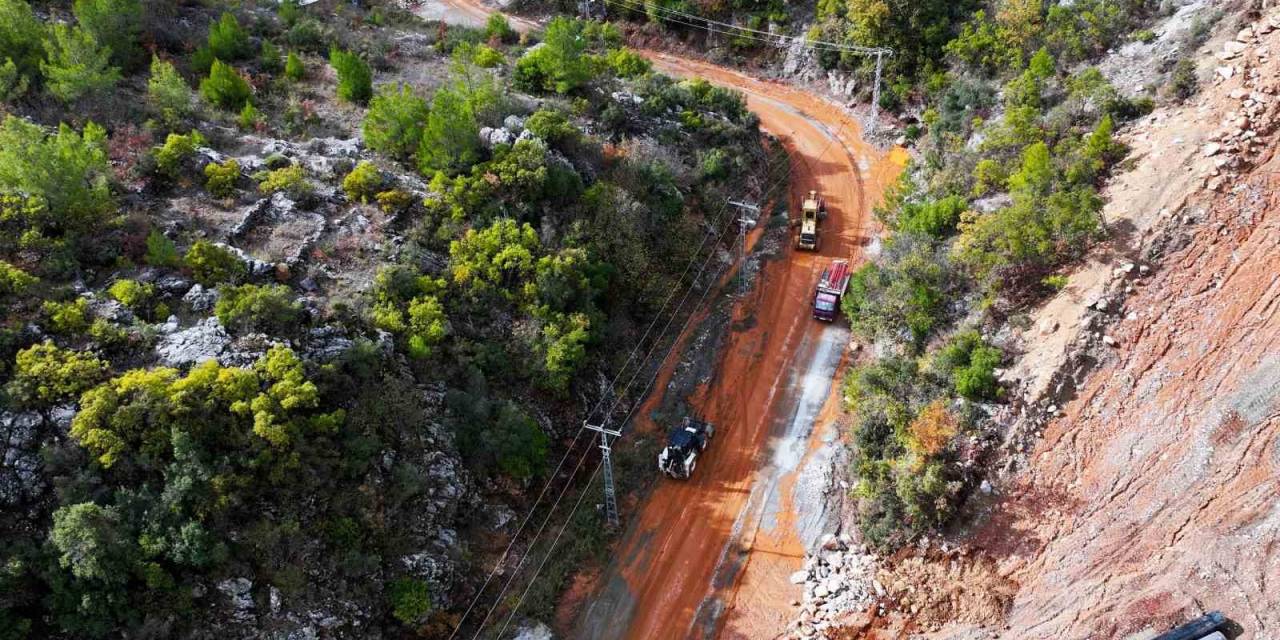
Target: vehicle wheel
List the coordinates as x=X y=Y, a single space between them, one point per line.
x=693 y=464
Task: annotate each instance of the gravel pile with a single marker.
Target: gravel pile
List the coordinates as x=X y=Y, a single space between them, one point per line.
x=838 y=578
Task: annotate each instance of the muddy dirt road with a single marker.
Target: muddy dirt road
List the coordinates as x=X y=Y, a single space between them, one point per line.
x=711 y=557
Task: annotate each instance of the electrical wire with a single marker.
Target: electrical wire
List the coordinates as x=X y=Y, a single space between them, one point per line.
x=611 y=391
x=618 y=397
x=790 y=167
x=691 y=20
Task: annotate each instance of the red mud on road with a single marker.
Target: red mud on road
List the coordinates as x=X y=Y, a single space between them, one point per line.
x=694 y=563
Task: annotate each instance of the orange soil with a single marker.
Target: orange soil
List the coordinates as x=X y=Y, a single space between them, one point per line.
x=672 y=551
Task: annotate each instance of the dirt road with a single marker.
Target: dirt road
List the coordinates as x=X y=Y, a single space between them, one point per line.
x=711 y=557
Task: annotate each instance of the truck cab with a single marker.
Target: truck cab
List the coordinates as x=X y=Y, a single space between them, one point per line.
x=831 y=287
x=826 y=306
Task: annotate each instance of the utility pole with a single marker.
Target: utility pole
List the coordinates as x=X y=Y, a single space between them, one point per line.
x=745 y=224
x=606 y=454
x=875 y=91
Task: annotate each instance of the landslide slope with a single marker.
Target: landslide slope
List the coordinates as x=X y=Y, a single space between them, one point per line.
x=1153 y=498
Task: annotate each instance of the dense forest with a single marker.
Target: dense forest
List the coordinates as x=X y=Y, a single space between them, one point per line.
x=298 y=301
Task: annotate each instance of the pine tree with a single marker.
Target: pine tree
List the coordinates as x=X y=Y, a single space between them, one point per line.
x=77 y=65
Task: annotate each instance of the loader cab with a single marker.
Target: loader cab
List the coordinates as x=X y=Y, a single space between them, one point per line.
x=684 y=442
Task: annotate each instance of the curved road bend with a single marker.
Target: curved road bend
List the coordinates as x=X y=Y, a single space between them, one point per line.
x=711 y=557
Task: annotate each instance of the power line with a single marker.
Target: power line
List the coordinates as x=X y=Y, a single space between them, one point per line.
x=611 y=390
x=770 y=179
x=772 y=39
x=554 y=542
x=636 y=405
x=644 y=7
x=617 y=400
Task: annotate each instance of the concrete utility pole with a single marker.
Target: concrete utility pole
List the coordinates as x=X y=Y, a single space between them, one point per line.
x=606 y=454
x=875 y=91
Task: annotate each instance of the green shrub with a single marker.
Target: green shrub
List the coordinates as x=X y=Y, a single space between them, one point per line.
x=211 y=264
x=106 y=334
x=221 y=179
x=225 y=87
x=117 y=25
x=1056 y=282
x=228 y=40
x=277 y=161
x=293 y=68
x=14 y=281
x=1183 y=82
x=131 y=293
x=161 y=251
x=65 y=174
x=355 y=80
x=250 y=307
x=395 y=121
x=426 y=326
x=249 y=117
x=269 y=57
x=971 y=363
x=168 y=93
x=21 y=38
x=558 y=65
x=564 y=347
x=176 y=151
x=291 y=180
x=363 y=183
x=450 y=139
x=410 y=600
x=13 y=84
x=485 y=56
x=627 y=64
x=67 y=318
x=498 y=29
x=77 y=65
x=393 y=200
x=498 y=257
x=553 y=126
x=307 y=34
x=936 y=219
x=289 y=12
x=493 y=435
x=93 y=543
x=46 y=374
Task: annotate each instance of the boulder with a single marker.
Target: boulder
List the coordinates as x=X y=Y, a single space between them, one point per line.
x=206 y=340
x=200 y=299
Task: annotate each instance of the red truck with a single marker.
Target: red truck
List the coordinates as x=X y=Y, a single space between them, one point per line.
x=834 y=282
